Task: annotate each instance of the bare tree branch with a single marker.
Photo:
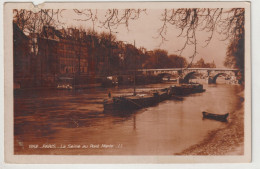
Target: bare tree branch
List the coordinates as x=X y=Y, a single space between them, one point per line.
x=229 y=23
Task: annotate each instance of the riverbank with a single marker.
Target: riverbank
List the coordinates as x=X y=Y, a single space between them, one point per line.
x=225 y=141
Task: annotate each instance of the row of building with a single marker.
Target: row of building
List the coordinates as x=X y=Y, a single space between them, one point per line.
x=40 y=58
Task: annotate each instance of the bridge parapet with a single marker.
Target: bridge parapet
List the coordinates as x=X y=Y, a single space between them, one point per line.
x=186 y=73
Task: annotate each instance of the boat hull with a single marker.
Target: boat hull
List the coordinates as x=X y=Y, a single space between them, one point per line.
x=218 y=117
x=137 y=101
x=186 y=89
x=129 y=103
x=150 y=98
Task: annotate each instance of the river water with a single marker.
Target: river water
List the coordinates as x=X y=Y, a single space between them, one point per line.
x=73 y=122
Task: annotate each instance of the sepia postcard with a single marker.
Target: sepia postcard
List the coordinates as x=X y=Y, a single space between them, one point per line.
x=127 y=82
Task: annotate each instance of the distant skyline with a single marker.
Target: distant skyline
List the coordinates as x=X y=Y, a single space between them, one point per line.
x=144 y=31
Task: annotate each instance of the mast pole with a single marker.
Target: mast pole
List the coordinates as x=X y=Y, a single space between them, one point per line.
x=134 y=69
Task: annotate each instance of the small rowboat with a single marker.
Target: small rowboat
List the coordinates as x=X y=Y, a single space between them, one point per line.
x=219 y=117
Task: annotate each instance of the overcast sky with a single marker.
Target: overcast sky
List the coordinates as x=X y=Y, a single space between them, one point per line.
x=144 y=32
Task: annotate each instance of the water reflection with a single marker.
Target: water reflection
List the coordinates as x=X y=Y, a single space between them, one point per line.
x=77 y=117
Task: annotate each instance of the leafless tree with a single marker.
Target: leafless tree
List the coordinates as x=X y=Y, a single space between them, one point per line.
x=88 y=15
x=111 y=19
x=33 y=21
x=22 y=17
x=229 y=23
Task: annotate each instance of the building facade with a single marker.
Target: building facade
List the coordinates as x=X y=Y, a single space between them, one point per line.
x=63 y=52
x=46 y=56
x=21 y=57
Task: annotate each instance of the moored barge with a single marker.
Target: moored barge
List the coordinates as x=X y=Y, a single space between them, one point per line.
x=137 y=101
x=151 y=98
x=186 y=89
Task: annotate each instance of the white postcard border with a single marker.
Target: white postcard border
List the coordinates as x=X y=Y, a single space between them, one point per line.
x=36 y=159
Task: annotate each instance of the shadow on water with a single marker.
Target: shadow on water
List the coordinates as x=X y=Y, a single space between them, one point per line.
x=124 y=114
x=120 y=116
x=177 y=98
x=220 y=120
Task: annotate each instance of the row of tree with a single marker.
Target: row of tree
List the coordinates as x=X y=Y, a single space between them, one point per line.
x=228 y=23
x=160 y=59
x=131 y=58
x=104 y=47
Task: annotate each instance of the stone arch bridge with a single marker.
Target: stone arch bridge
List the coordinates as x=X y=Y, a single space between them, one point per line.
x=184 y=74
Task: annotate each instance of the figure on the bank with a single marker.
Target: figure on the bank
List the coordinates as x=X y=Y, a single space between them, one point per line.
x=109 y=94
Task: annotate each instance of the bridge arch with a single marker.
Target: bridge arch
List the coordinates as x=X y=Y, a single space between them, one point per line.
x=162 y=75
x=187 y=77
x=214 y=80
